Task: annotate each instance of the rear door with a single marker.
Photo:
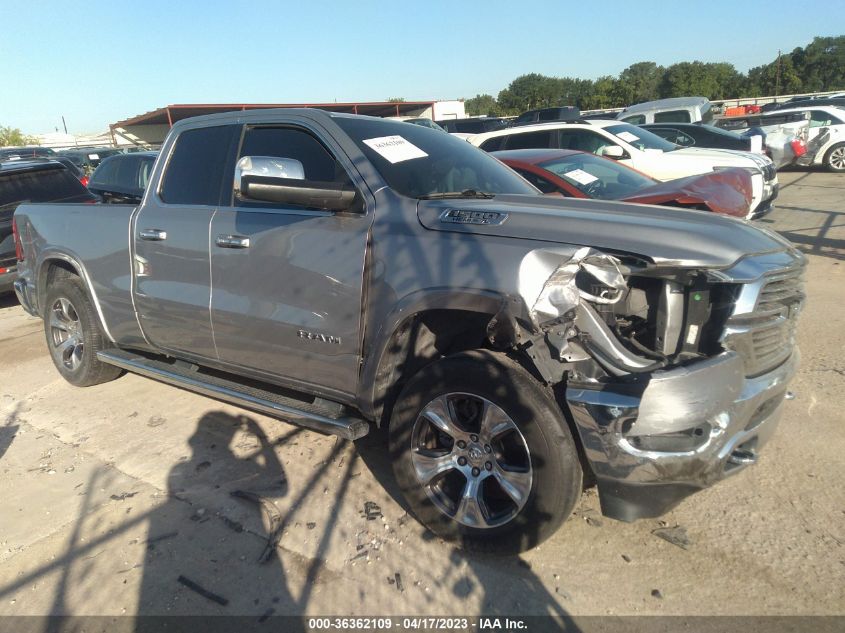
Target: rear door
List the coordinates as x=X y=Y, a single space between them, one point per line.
x=172 y=279
x=287 y=280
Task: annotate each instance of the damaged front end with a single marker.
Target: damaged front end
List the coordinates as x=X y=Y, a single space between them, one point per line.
x=674 y=377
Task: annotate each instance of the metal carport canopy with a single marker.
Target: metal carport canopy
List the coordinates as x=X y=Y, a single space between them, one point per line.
x=151 y=127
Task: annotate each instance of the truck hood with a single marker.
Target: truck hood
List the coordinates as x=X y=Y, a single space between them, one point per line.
x=689 y=239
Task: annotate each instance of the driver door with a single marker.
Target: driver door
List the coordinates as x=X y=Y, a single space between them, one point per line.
x=287 y=281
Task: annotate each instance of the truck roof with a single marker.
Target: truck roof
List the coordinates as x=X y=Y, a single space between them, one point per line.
x=659 y=104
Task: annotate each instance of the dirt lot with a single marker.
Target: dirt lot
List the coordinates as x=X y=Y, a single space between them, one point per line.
x=110 y=494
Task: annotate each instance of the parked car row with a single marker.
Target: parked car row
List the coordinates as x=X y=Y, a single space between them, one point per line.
x=641 y=149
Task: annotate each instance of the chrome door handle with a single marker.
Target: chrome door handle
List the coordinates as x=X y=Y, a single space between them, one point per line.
x=153 y=235
x=232 y=241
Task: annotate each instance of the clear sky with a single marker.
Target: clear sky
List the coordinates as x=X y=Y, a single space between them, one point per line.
x=97 y=62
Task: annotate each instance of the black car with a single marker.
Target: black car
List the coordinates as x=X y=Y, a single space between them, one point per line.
x=123 y=178
x=32 y=151
x=88 y=158
x=476 y=125
x=695 y=135
x=31 y=181
x=548 y=115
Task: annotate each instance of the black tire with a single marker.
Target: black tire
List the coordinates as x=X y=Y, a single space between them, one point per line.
x=834 y=158
x=555 y=471
x=73 y=333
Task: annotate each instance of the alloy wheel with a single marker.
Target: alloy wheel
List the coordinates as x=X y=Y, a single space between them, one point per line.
x=66 y=333
x=472 y=460
x=837 y=158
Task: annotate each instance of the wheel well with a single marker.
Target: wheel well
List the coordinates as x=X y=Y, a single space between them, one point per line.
x=51 y=270
x=59 y=268
x=420 y=340
x=428 y=336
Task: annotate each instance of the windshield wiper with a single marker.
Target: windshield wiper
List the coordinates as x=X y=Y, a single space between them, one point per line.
x=466 y=193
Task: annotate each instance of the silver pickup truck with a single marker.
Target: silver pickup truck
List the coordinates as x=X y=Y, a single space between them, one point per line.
x=345 y=272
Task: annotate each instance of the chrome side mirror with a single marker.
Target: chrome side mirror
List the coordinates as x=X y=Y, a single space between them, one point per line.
x=267 y=167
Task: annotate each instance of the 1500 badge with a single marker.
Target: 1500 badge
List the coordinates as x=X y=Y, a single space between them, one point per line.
x=316 y=336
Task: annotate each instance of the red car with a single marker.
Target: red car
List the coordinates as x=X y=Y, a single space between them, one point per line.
x=582 y=175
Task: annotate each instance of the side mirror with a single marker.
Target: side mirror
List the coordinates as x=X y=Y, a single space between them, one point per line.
x=282 y=180
x=615 y=152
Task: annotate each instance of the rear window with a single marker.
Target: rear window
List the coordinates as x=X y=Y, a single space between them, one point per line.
x=43 y=185
x=672 y=116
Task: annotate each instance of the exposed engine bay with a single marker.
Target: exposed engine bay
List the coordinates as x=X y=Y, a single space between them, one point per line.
x=598 y=316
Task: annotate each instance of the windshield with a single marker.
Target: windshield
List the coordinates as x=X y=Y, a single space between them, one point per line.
x=640 y=138
x=598 y=177
x=418 y=162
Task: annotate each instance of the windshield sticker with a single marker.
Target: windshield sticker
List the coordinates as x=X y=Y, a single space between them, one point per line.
x=395 y=148
x=581 y=176
x=93 y=156
x=627 y=136
x=757 y=144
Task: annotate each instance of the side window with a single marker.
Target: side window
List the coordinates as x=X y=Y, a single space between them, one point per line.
x=317 y=163
x=672 y=116
x=470 y=127
x=538 y=181
x=493 y=144
x=674 y=136
x=529 y=140
x=195 y=171
x=583 y=141
x=637 y=119
x=820 y=119
x=549 y=115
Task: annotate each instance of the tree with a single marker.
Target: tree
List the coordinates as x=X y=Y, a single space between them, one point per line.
x=640 y=82
x=13 y=136
x=482 y=105
x=396 y=99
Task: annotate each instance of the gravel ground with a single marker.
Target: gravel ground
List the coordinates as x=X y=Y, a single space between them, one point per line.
x=116 y=498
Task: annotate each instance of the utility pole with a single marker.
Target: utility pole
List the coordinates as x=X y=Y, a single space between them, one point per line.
x=777 y=77
x=64 y=124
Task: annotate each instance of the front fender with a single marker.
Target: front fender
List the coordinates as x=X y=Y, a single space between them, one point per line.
x=377 y=362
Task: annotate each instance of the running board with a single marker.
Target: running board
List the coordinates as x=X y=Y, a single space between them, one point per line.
x=299 y=412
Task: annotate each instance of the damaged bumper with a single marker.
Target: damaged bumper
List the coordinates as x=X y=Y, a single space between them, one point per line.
x=688 y=427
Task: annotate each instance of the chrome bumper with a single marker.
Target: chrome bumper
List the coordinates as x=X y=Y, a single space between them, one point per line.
x=652 y=446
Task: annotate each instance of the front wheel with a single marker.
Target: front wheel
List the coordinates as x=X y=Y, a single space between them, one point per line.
x=73 y=334
x=835 y=158
x=482 y=453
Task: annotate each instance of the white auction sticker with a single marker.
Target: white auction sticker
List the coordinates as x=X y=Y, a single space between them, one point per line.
x=93 y=156
x=581 y=176
x=395 y=148
x=627 y=136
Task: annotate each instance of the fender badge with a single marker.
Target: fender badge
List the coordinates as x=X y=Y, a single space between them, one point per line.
x=464 y=216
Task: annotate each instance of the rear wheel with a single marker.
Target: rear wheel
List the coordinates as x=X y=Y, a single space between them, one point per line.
x=835 y=158
x=482 y=453
x=73 y=333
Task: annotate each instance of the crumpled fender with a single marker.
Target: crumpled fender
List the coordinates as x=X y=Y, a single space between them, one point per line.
x=726 y=191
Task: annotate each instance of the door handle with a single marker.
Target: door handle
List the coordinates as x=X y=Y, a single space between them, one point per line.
x=232 y=241
x=153 y=235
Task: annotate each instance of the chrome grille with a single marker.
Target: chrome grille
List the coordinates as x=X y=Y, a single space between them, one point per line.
x=765 y=335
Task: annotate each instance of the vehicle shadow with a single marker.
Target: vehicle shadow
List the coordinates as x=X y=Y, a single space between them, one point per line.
x=8 y=300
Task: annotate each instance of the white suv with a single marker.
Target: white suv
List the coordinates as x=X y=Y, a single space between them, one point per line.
x=826 y=138
x=640 y=149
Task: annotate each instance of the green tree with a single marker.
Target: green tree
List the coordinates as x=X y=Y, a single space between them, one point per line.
x=13 y=136
x=602 y=94
x=640 y=82
x=527 y=92
x=396 y=99
x=821 y=64
x=482 y=105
